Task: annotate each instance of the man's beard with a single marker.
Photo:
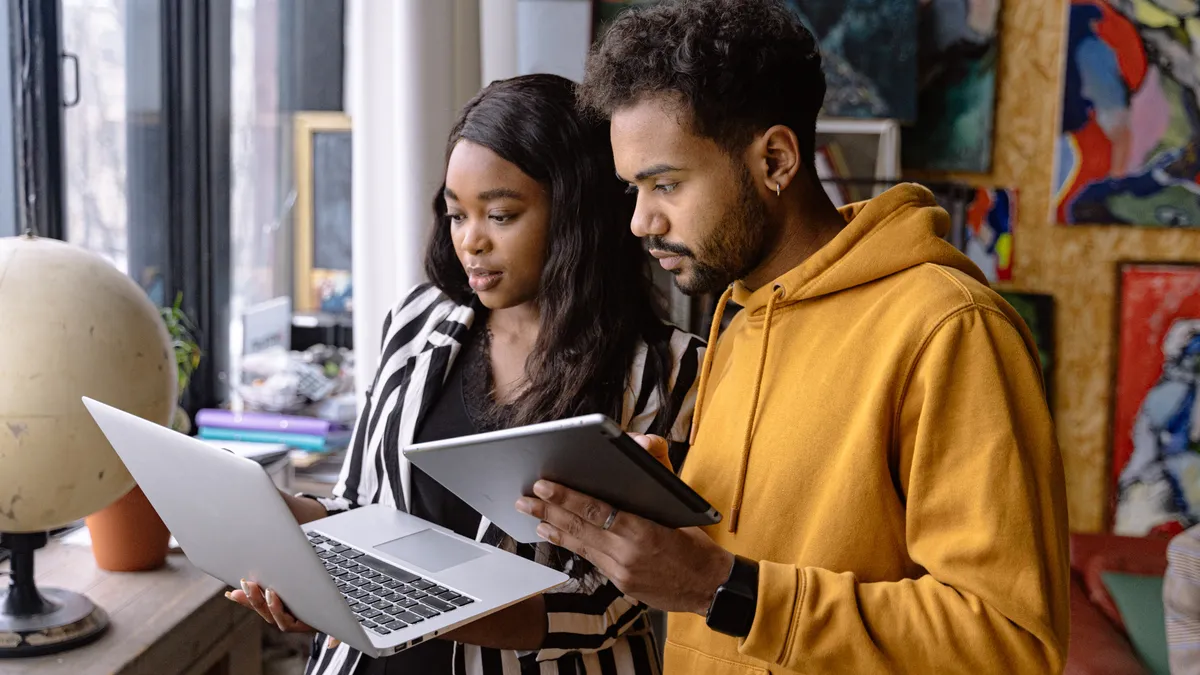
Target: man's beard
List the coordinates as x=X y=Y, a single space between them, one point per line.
x=731 y=251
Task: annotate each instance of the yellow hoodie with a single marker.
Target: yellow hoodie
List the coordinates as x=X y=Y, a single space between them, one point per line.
x=873 y=426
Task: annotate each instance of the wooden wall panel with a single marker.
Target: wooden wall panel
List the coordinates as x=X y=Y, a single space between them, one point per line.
x=1077 y=265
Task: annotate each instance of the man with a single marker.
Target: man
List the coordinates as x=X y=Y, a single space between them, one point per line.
x=872 y=423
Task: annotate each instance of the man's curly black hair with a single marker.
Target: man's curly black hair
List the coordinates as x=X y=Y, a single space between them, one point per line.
x=741 y=66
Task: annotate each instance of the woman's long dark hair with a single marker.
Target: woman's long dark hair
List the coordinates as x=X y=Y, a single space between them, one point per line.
x=596 y=298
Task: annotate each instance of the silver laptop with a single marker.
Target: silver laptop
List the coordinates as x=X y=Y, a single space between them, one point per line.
x=374 y=577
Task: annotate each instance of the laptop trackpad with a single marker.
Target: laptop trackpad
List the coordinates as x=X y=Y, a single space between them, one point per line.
x=431 y=550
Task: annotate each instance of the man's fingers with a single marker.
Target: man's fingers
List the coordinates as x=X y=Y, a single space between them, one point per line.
x=578 y=546
x=657 y=446
x=588 y=510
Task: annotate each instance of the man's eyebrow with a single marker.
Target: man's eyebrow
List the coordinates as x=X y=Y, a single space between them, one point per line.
x=656 y=170
x=649 y=172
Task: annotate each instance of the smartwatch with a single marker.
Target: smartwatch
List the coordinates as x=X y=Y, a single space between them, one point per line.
x=733 y=607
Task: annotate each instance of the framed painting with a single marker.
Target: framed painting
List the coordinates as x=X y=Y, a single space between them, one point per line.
x=1127 y=151
x=1156 y=415
x=988 y=232
x=322 y=241
x=1037 y=311
x=956 y=86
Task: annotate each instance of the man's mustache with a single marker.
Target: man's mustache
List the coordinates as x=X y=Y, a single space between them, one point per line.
x=655 y=243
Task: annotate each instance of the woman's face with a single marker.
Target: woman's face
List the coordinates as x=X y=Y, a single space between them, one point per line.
x=499 y=221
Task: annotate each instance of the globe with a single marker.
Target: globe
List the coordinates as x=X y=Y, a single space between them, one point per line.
x=71 y=325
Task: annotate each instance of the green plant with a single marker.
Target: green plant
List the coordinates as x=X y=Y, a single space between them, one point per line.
x=183 y=340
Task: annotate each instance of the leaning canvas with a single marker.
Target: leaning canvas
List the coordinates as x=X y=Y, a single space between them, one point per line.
x=868 y=53
x=1156 y=425
x=1127 y=150
x=956 y=95
x=1037 y=311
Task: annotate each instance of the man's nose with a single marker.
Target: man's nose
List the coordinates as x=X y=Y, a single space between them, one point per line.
x=647 y=221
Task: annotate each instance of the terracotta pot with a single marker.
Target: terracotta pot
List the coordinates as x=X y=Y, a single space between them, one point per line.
x=128 y=535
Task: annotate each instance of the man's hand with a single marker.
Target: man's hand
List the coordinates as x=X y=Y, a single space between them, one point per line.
x=657 y=447
x=672 y=570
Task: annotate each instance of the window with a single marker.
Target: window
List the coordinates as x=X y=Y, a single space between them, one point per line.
x=261 y=198
x=172 y=119
x=286 y=58
x=115 y=136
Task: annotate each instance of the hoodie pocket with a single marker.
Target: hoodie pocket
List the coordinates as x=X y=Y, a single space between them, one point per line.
x=681 y=659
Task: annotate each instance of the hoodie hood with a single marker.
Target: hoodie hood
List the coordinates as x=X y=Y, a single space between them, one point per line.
x=900 y=229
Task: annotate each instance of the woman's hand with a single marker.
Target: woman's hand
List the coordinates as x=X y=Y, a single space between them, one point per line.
x=655 y=445
x=270 y=607
x=304 y=509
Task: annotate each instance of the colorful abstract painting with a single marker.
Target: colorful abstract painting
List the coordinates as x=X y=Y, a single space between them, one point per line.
x=1127 y=151
x=988 y=235
x=956 y=94
x=1037 y=311
x=868 y=52
x=1156 y=419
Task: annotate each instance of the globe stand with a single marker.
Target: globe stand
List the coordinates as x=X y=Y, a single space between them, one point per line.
x=34 y=622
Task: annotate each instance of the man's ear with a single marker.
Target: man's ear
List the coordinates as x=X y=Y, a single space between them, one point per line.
x=779 y=158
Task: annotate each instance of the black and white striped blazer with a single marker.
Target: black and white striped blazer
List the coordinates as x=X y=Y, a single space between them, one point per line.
x=593 y=627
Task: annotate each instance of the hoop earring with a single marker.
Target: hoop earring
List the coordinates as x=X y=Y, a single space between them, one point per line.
x=777 y=190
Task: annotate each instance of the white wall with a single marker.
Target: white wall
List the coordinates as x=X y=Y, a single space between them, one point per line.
x=498 y=39
x=411 y=64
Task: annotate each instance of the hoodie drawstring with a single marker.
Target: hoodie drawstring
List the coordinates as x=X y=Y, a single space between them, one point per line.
x=713 y=333
x=740 y=486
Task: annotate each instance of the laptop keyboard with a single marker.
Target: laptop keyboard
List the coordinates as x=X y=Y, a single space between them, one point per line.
x=383 y=597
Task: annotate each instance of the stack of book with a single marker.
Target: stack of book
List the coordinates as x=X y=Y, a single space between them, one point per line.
x=305 y=434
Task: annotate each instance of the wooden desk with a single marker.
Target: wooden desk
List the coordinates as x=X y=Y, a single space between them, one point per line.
x=172 y=621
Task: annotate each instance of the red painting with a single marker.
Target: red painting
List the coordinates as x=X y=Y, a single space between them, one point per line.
x=1156 y=448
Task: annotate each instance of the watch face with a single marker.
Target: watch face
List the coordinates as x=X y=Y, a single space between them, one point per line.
x=732 y=613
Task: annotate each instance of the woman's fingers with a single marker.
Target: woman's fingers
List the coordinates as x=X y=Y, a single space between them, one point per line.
x=254 y=599
x=283 y=619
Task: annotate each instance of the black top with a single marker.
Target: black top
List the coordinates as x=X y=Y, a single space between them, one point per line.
x=464 y=406
x=446 y=419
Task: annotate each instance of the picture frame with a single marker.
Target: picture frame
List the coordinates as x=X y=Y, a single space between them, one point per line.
x=322 y=216
x=1154 y=468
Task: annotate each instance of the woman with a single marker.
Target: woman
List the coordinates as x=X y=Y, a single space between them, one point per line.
x=540 y=308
